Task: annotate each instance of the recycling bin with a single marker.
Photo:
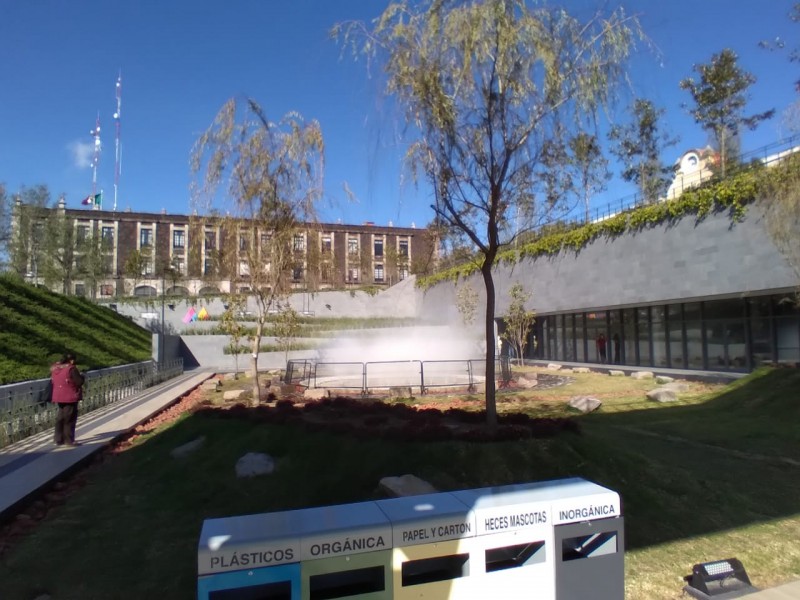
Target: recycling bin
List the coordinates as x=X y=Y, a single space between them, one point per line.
x=589 y=541
x=345 y=552
x=250 y=557
x=513 y=543
x=431 y=546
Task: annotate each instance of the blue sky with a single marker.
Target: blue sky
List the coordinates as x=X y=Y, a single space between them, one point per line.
x=180 y=61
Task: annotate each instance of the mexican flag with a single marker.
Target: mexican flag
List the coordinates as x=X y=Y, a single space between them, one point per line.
x=96 y=200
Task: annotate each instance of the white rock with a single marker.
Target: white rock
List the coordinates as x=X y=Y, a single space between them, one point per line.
x=526 y=382
x=662 y=395
x=614 y=373
x=407 y=485
x=232 y=394
x=581 y=370
x=585 y=404
x=642 y=375
x=253 y=464
x=315 y=393
x=188 y=448
x=662 y=379
x=554 y=367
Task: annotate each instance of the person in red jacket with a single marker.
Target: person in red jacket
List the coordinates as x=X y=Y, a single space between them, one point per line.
x=67 y=392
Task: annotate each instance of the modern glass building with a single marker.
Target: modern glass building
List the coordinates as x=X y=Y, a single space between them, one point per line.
x=733 y=334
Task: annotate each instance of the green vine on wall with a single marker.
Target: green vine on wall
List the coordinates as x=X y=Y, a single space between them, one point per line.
x=734 y=194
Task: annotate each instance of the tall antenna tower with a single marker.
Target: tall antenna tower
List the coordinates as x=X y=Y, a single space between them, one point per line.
x=95 y=133
x=117 y=142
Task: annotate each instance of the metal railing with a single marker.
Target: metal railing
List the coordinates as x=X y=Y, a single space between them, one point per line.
x=29 y=413
x=381 y=375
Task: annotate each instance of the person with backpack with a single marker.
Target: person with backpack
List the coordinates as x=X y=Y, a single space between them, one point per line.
x=67 y=384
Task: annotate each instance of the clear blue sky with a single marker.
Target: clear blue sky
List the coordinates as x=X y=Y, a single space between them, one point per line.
x=181 y=60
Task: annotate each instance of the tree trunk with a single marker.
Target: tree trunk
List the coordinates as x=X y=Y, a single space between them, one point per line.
x=254 y=362
x=491 y=402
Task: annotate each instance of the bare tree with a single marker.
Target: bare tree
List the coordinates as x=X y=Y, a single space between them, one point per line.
x=487 y=87
x=268 y=176
x=518 y=321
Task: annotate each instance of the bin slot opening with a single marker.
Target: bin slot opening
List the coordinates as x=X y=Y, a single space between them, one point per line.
x=343 y=584
x=589 y=546
x=279 y=590
x=439 y=568
x=518 y=555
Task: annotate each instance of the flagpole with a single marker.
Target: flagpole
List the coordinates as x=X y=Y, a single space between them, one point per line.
x=117 y=142
x=95 y=133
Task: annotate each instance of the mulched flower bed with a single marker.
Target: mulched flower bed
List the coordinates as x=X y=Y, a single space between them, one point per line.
x=364 y=419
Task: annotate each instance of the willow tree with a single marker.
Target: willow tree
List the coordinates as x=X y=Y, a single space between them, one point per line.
x=489 y=88
x=265 y=177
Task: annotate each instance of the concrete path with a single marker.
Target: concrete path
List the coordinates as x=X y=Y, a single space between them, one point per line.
x=788 y=591
x=34 y=462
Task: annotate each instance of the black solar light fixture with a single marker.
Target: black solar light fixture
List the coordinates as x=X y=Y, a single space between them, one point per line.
x=718 y=580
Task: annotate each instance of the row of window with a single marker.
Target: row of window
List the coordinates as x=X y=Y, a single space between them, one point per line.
x=735 y=334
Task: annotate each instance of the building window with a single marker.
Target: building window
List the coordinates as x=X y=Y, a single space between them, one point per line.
x=211 y=240
x=299 y=242
x=352 y=275
x=403 y=271
x=297 y=273
x=145 y=237
x=106 y=290
x=108 y=235
x=80 y=289
x=178 y=238
x=325 y=273
x=244 y=269
x=326 y=244
x=403 y=248
x=378 y=246
x=244 y=242
x=378 y=273
x=108 y=264
x=352 y=245
x=82 y=233
x=208 y=266
x=148 y=268
x=180 y=267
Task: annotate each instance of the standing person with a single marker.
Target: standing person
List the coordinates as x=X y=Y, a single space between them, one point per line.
x=67 y=392
x=601 y=347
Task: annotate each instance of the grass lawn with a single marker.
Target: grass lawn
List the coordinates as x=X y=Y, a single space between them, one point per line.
x=691 y=489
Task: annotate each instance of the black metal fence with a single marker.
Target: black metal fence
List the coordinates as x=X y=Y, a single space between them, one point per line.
x=24 y=416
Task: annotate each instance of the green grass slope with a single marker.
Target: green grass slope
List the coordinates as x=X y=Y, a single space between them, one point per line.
x=37 y=327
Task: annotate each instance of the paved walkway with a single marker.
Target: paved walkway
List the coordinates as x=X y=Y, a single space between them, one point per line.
x=788 y=591
x=34 y=462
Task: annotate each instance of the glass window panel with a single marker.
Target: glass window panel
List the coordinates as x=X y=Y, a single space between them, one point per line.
x=759 y=307
x=676 y=342
x=691 y=311
x=694 y=344
x=715 y=342
x=674 y=311
x=579 y=339
x=787 y=334
x=724 y=309
x=643 y=318
x=558 y=337
x=737 y=349
x=569 y=328
x=659 y=337
x=786 y=305
x=761 y=349
x=596 y=331
x=629 y=336
x=615 y=337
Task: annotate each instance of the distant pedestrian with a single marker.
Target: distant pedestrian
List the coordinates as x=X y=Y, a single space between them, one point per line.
x=67 y=384
x=617 y=352
x=601 y=347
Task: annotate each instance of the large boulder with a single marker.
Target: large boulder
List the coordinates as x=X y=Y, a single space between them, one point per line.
x=407 y=485
x=581 y=370
x=662 y=379
x=232 y=394
x=662 y=394
x=527 y=382
x=642 y=375
x=585 y=404
x=554 y=367
x=253 y=464
x=677 y=387
x=615 y=373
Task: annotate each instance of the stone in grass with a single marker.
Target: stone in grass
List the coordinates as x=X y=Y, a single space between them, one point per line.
x=642 y=375
x=212 y=385
x=678 y=388
x=232 y=394
x=662 y=395
x=585 y=404
x=188 y=448
x=315 y=393
x=614 y=373
x=581 y=370
x=527 y=382
x=253 y=464
x=407 y=485
x=554 y=367
x=662 y=379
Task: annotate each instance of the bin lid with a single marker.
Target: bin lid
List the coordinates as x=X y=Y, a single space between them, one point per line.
x=581 y=500
x=427 y=519
x=248 y=542
x=328 y=531
x=508 y=508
